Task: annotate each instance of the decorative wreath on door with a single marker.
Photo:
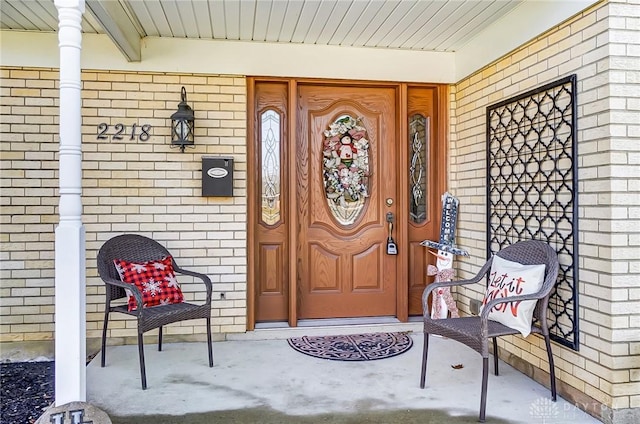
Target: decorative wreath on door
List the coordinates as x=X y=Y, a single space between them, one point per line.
x=346 y=161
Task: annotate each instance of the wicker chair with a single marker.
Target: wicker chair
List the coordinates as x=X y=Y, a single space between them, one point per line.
x=476 y=331
x=136 y=248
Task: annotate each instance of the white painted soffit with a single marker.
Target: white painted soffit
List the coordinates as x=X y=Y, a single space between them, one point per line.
x=421 y=25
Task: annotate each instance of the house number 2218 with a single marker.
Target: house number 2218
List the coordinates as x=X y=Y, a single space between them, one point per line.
x=141 y=132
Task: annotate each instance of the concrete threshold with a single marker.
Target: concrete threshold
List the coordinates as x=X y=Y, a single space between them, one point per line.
x=328 y=327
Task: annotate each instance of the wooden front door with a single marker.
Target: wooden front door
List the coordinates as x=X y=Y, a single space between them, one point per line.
x=310 y=259
x=344 y=269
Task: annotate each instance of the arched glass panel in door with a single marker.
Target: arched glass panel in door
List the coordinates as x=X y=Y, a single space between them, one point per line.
x=345 y=168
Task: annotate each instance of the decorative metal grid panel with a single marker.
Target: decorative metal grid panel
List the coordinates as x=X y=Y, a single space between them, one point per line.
x=532 y=187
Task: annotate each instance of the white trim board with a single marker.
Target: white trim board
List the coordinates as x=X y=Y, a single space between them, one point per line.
x=235 y=58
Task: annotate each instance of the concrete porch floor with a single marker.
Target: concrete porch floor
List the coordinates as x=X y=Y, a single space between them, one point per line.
x=258 y=371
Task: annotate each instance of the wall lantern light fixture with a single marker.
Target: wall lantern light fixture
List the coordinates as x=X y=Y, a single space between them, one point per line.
x=182 y=124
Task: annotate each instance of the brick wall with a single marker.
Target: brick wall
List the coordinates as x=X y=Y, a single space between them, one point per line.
x=128 y=186
x=602 y=46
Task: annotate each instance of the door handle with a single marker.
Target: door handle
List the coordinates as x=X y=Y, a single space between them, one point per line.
x=392 y=248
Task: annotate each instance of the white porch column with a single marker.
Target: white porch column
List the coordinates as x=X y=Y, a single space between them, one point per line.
x=70 y=312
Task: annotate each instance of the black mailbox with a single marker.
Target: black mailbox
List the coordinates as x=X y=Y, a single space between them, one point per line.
x=217 y=176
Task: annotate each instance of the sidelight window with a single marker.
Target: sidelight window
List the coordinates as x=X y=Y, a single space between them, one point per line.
x=418 y=154
x=270 y=134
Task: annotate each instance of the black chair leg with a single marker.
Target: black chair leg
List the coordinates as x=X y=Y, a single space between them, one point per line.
x=425 y=351
x=103 y=354
x=209 y=344
x=483 y=394
x=552 y=372
x=495 y=355
x=143 y=374
x=160 y=339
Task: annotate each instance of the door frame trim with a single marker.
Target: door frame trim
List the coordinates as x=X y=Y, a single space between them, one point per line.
x=402 y=214
x=402 y=286
x=293 y=235
x=251 y=210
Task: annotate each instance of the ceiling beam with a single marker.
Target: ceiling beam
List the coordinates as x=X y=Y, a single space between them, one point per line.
x=118 y=25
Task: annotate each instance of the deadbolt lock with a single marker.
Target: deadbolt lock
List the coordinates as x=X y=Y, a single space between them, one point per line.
x=389 y=201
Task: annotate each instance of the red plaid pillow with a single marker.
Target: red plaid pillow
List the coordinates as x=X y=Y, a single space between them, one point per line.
x=155 y=279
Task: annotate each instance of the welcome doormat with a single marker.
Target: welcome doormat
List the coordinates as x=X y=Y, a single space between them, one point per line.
x=353 y=347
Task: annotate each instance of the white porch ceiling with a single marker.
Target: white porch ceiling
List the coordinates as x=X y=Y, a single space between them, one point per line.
x=407 y=40
x=438 y=26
